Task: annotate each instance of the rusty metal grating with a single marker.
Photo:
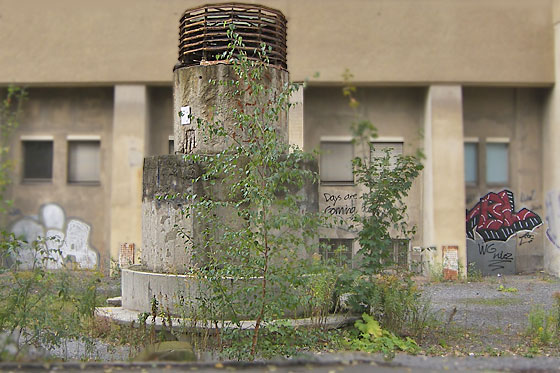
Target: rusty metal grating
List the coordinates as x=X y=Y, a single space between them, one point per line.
x=203 y=34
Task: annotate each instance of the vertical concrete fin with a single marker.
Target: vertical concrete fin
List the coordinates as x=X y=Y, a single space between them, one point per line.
x=444 y=179
x=130 y=121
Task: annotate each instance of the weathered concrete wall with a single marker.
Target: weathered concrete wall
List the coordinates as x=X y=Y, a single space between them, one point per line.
x=167 y=189
x=167 y=186
x=130 y=129
x=160 y=101
x=63 y=112
x=443 y=177
x=214 y=103
x=396 y=112
x=383 y=41
x=514 y=116
x=551 y=161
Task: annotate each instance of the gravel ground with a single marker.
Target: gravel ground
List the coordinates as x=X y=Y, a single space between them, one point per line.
x=490 y=318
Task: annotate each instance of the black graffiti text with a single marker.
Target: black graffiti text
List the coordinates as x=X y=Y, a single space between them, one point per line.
x=340 y=210
x=527 y=237
x=499 y=257
x=528 y=197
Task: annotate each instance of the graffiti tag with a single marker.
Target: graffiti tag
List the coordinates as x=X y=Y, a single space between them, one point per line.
x=553 y=217
x=347 y=208
x=496 y=257
x=494 y=218
x=526 y=237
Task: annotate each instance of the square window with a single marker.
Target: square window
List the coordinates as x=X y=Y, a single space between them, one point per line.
x=400 y=252
x=336 y=162
x=379 y=149
x=497 y=163
x=83 y=161
x=37 y=160
x=337 y=250
x=471 y=162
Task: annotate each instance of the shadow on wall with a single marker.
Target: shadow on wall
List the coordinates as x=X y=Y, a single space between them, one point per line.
x=66 y=240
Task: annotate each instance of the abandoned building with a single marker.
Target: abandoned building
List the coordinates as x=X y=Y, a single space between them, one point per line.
x=471 y=83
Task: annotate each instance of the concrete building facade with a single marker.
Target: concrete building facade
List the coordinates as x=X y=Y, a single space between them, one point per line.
x=472 y=83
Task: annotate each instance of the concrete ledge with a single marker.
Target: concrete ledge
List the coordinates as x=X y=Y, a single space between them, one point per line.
x=127 y=317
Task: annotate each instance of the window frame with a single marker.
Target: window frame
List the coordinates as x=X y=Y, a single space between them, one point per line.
x=387 y=141
x=36 y=139
x=497 y=140
x=77 y=139
x=336 y=140
x=476 y=141
x=329 y=252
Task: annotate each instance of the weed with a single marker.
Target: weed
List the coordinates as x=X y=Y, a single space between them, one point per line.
x=542 y=328
x=504 y=289
x=473 y=273
x=373 y=338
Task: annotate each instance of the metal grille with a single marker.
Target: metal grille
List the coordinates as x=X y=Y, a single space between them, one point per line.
x=203 y=32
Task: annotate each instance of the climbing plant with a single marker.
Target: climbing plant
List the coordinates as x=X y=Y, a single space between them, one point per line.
x=10 y=111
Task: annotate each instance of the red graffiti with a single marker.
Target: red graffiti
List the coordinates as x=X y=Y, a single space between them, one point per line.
x=494 y=217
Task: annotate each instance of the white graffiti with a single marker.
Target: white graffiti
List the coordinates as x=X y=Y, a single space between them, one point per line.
x=553 y=217
x=56 y=240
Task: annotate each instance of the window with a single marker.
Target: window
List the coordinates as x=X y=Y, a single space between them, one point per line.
x=471 y=162
x=487 y=162
x=497 y=164
x=37 y=160
x=83 y=161
x=336 y=162
x=336 y=249
x=379 y=149
x=171 y=147
x=400 y=252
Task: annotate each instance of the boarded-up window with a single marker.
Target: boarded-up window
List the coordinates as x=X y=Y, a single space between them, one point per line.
x=336 y=162
x=37 y=160
x=380 y=149
x=83 y=161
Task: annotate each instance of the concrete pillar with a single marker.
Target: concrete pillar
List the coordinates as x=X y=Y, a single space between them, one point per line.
x=443 y=176
x=295 y=119
x=551 y=163
x=130 y=120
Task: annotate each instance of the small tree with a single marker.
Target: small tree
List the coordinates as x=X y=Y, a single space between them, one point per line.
x=252 y=254
x=386 y=181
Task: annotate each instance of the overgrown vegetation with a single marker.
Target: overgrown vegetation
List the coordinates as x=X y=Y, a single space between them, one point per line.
x=383 y=292
x=41 y=308
x=256 y=247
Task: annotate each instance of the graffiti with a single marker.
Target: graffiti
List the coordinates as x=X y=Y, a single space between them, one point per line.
x=66 y=241
x=347 y=206
x=494 y=218
x=492 y=257
x=528 y=197
x=491 y=224
x=525 y=238
x=553 y=217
